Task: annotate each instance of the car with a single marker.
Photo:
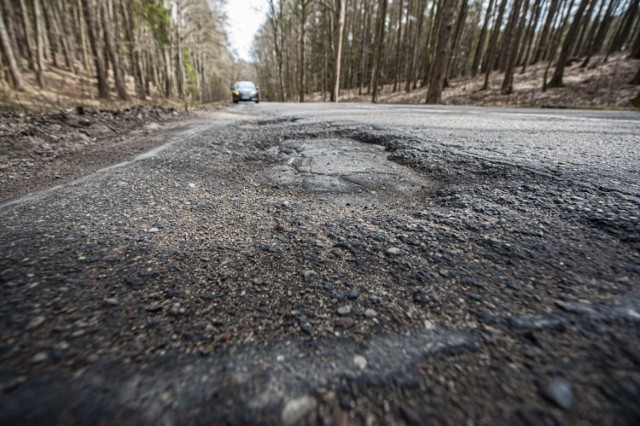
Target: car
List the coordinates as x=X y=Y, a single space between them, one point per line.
x=245 y=91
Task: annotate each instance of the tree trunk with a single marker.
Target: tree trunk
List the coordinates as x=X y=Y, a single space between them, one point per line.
x=9 y=56
x=337 y=58
x=514 y=44
x=364 y=48
x=462 y=17
x=375 y=75
x=567 y=46
x=443 y=50
x=112 y=51
x=625 y=27
x=180 y=55
x=508 y=35
x=89 y=16
x=129 y=25
x=40 y=66
x=28 y=34
x=398 y=39
x=524 y=60
x=303 y=23
x=434 y=18
x=82 y=32
x=544 y=36
x=51 y=34
x=68 y=44
x=10 y=18
x=579 y=47
x=411 y=75
x=481 y=40
x=492 y=45
x=590 y=42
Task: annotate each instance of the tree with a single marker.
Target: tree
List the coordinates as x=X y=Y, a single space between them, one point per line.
x=89 y=16
x=512 y=46
x=544 y=36
x=375 y=74
x=40 y=35
x=622 y=35
x=340 y=10
x=303 y=14
x=398 y=40
x=492 y=45
x=481 y=40
x=443 y=51
x=9 y=56
x=567 y=46
x=111 y=50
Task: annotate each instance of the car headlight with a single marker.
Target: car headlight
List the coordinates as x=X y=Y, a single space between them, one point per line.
x=254 y=93
x=237 y=93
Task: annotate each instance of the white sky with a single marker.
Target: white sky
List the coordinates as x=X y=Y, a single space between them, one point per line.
x=244 y=17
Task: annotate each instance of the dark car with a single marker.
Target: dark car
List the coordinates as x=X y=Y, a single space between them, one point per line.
x=245 y=91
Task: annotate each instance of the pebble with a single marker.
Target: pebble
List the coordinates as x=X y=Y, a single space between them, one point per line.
x=353 y=293
x=154 y=307
x=360 y=362
x=559 y=392
x=36 y=322
x=39 y=358
x=344 y=310
x=394 y=251
x=110 y=301
x=176 y=309
x=309 y=276
x=346 y=322
x=370 y=313
x=297 y=409
x=306 y=328
x=429 y=325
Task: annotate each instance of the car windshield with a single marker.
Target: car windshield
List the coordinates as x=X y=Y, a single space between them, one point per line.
x=245 y=85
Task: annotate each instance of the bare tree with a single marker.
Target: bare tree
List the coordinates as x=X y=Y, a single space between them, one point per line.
x=443 y=50
x=340 y=10
x=375 y=73
x=89 y=16
x=9 y=56
x=567 y=45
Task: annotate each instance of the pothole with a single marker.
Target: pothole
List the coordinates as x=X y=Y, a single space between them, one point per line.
x=341 y=166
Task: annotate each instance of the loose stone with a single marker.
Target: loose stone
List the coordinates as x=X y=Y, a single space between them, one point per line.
x=559 y=392
x=360 y=362
x=39 y=358
x=36 y=322
x=297 y=409
x=344 y=310
x=370 y=313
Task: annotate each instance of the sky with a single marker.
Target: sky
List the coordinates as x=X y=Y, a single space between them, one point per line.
x=244 y=17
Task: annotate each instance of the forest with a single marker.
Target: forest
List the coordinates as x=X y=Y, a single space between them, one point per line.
x=155 y=50
x=163 y=49
x=325 y=46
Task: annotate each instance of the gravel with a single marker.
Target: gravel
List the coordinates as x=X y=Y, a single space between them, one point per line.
x=236 y=277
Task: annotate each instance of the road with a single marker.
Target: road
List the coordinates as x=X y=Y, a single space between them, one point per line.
x=334 y=264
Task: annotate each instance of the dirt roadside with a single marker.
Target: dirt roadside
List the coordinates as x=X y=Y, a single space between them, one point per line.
x=42 y=150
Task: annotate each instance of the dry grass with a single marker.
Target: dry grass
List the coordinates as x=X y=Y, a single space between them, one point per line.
x=601 y=85
x=65 y=89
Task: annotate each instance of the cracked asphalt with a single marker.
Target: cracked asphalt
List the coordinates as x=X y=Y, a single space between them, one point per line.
x=334 y=264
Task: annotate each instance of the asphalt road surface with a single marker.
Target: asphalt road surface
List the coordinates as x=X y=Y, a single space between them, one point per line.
x=334 y=264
